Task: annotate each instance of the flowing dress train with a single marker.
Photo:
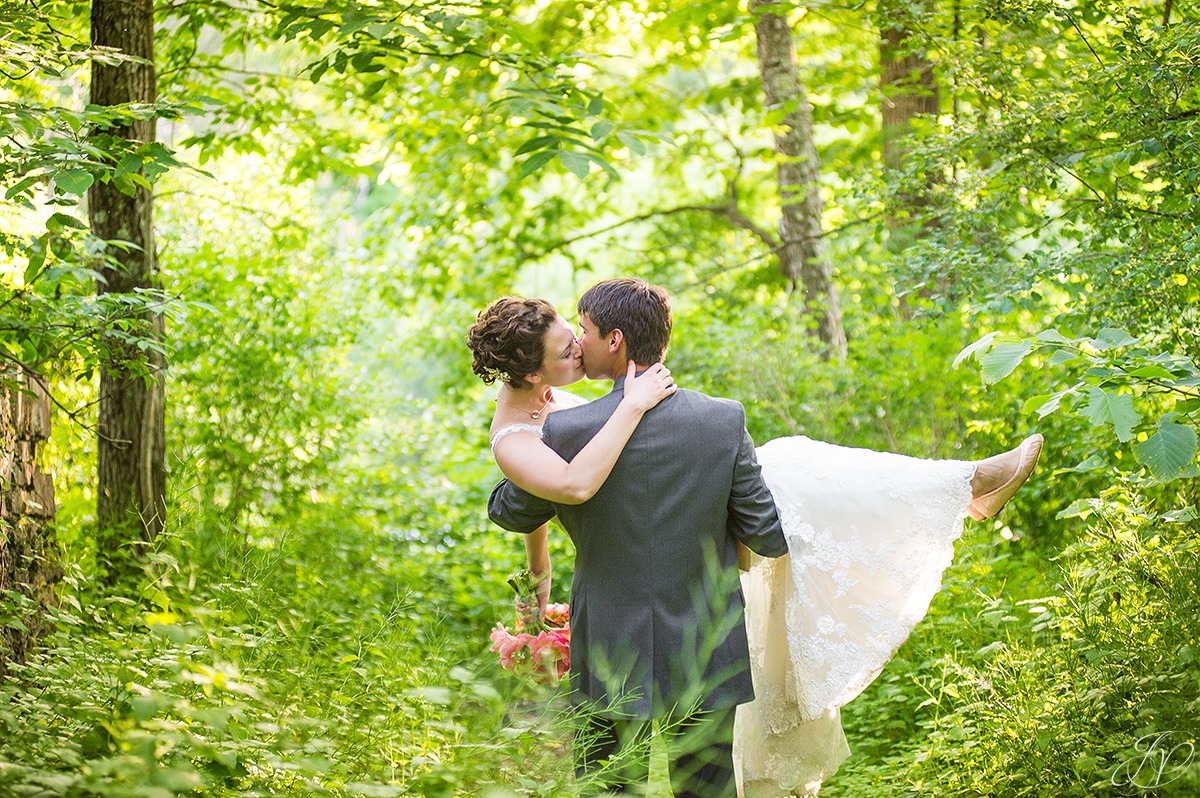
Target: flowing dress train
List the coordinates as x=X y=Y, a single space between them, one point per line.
x=869 y=535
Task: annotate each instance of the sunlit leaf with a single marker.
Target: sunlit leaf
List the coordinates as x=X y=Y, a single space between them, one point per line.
x=1002 y=359
x=22 y=186
x=579 y=165
x=73 y=181
x=1105 y=408
x=1112 y=338
x=1152 y=371
x=1168 y=451
x=981 y=345
x=536 y=162
x=1053 y=336
x=537 y=143
x=602 y=129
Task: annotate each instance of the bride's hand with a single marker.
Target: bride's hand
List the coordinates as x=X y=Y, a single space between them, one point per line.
x=648 y=388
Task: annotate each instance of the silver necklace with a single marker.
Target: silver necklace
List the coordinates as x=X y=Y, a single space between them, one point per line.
x=534 y=414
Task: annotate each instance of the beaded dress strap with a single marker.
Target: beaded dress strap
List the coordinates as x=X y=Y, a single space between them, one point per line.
x=501 y=433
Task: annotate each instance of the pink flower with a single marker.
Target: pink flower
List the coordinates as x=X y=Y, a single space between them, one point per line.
x=511 y=648
x=546 y=656
x=551 y=653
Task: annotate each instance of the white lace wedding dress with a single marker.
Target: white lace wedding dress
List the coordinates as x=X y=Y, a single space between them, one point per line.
x=869 y=534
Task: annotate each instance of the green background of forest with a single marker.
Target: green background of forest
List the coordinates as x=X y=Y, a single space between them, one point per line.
x=343 y=186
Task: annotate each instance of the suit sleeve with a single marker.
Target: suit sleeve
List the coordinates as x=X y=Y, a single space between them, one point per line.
x=517 y=510
x=753 y=517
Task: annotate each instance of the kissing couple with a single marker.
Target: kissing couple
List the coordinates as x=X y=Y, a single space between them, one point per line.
x=664 y=496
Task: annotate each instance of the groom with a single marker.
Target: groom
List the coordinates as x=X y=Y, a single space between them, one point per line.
x=657 y=630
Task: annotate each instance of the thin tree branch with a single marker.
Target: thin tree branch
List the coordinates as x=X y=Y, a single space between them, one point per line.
x=721 y=210
x=264 y=217
x=1083 y=36
x=1069 y=171
x=708 y=278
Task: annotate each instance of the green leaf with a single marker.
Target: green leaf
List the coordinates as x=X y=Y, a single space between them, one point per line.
x=1062 y=356
x=602 y=129
x=1046 y=403
x=365 y=62
x=1111 y=338
x=20 y=187
x=373 y=88
x=73 y=181
x=1002 y=359
x=537 y=143
x=1080 y=508
x=580 y=165
x=635 y=144
x=1114 y=410
x=1167 y=452
x=1153 y=372
x=983 y=344
x=536 y=162
x=37 y=259
x=129 y=164
x=1093 y=462
x=60 y=220
x=125 y=184
x=1053 y=337
x=1184 y=516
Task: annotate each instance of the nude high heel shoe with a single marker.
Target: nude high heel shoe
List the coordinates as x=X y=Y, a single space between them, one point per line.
x=997 y=478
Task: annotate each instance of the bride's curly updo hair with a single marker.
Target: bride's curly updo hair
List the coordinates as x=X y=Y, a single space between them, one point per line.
x=507 y=339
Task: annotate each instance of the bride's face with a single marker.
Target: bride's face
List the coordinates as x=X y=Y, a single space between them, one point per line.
x=562 y=363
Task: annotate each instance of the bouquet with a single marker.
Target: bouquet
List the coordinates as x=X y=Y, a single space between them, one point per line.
x=537 y=647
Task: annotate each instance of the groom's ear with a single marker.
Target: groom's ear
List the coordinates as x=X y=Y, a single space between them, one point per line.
x=615 y=339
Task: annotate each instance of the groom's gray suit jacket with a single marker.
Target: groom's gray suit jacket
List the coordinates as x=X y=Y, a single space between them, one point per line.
x=657 y=622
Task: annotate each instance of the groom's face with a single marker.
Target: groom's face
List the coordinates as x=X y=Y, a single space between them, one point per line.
x=597 y=360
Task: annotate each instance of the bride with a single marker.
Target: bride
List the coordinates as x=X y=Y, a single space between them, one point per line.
x=869 y=534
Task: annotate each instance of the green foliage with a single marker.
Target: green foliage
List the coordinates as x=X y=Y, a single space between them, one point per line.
x=316 y=664
x=1068 y=165
x=1104 y=375
x=316 y=621
x=1065 y=682
x=50 y=155
x=258 y=390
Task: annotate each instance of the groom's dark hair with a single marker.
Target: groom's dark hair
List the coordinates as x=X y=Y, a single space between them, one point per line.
x=642 y=312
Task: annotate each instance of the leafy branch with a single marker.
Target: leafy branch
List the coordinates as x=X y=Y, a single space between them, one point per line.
x=1114 y=375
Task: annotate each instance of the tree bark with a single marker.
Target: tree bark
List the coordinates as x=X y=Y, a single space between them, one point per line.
x=908 y=90
x=29 y=553
x=130 y=482
x=804 y=255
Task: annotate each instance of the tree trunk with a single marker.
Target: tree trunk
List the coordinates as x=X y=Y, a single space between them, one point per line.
x=28 y=548
x=804 y=256
x=131 y=483
x=908 y=90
